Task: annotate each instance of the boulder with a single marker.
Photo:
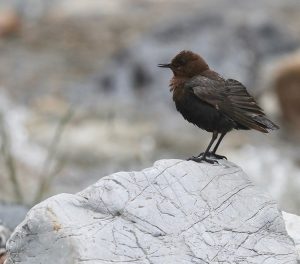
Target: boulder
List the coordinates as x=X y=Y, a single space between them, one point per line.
x=174 y=212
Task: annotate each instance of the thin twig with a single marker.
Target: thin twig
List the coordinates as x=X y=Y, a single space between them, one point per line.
x=47 y=174
x=9 y=160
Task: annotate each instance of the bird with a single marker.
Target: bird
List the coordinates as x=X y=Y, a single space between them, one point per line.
x=213 y=103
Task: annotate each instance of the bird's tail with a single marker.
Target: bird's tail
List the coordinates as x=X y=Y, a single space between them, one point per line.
x=265 y=123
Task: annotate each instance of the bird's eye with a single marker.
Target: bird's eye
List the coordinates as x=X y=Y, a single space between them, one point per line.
x=182 y=61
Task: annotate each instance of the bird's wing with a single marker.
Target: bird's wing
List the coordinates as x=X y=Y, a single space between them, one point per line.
x=240 y=99
x=232 y=99
x=208 y=90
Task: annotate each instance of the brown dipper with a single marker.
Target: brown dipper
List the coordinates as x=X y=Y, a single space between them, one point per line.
x=212 y=103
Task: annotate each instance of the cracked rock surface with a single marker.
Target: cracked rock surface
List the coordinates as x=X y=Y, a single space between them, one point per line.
x=174 y=212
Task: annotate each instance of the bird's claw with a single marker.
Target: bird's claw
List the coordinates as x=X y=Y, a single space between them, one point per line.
x=213 y=155
x=223 y=157
x=192 y=158
x=218 y=156
x=200 y=159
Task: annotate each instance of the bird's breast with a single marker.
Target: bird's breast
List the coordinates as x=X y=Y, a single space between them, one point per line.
x=177 y=87
x=200 y=113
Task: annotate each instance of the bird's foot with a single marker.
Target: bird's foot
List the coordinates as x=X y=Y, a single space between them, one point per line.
x=217 y=156
x=212 y=155
x=201 y=159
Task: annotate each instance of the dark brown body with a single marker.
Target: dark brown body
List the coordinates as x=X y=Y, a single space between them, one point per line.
x=199 y=112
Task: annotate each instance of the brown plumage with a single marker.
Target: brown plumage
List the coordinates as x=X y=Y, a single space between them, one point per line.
x=211 y=102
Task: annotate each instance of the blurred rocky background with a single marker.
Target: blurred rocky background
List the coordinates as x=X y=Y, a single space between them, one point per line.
x=81 y=96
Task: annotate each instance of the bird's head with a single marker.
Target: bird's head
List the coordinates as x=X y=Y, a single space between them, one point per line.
x=186 y=64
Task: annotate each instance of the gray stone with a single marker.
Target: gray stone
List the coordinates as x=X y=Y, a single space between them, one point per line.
x=174 y=212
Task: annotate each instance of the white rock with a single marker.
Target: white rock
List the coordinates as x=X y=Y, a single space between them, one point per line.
x=174 y=212
x=292 y=223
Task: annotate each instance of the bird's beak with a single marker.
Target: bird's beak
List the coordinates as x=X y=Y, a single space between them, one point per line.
x=164 y=65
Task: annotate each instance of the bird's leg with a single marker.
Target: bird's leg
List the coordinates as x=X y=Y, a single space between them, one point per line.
x=209 y=146
x=213 y=153
x=202 y=157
